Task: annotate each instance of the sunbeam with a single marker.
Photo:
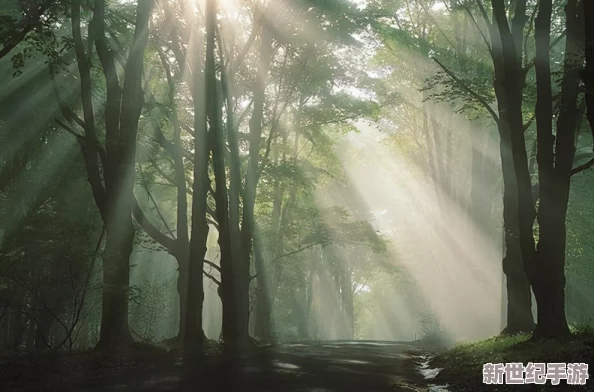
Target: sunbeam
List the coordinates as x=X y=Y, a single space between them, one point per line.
x=346 y=195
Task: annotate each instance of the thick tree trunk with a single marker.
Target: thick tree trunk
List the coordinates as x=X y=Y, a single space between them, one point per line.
x=234 y=316
x=519 y=298
x=263 y=322
x=547 y=272
x=549 y=287
x=518 y=203
x=120 y=189
x=114 y=199
x=194 y=334
x=182 y=292
x=116 y=276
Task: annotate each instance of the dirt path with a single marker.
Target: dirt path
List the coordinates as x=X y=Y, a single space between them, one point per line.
x=360 y=366
x=303 y=367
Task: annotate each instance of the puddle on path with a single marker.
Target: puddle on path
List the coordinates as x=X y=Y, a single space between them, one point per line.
x=429 y=374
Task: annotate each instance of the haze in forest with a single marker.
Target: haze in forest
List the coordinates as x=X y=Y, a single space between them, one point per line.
x=256 y=172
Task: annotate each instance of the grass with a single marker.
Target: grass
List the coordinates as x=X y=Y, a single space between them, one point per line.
x=463 y=365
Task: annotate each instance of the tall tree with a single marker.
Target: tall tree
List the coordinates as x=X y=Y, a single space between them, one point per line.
x=112 y=189
x=545 y=266
x=194 y=335
x=507 y=55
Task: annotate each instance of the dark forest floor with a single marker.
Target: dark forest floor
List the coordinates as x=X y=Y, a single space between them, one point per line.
x=305 y=367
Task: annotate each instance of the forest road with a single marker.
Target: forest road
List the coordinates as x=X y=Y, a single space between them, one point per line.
x=325 y=366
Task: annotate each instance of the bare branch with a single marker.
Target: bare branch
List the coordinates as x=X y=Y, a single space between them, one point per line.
x=156 y=234
x=213 y=265
x=583 y=167
x=211 y=277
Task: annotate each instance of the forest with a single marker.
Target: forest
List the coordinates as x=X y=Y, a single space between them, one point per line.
x=293 y=195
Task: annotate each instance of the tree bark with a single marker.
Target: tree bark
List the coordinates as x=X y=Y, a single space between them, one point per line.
x=229 y=297
x=194 y=338
x=263 y=327
x=517 y=198
x=120 y=188
x=547 y=270
x=240 y=338
x=113 y=191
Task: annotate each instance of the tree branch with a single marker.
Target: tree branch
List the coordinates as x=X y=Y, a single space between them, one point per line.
x=473 y=93
x=582 y=167
x=154 y=232
x=25 y=26
x=150 y=195
x=213 y=265
x=211 y=277
x=254 y=33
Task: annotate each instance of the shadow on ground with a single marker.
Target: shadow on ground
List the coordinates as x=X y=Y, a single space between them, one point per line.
x=300 y=367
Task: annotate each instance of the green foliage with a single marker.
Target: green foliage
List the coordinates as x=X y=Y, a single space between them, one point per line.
x=35 y=33
x=463 y=364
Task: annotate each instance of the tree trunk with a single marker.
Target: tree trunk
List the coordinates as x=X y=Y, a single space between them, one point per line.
x=42 y=333
x=194 y=338
x=182 y=292
x=120 y=189
x=518 y=203
x=242 y=279
x=263 y=327
x=547 y=272
x=116 y=276
x=183 y=236
x=218 y=146
x=114 y=199
x=519 y=298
